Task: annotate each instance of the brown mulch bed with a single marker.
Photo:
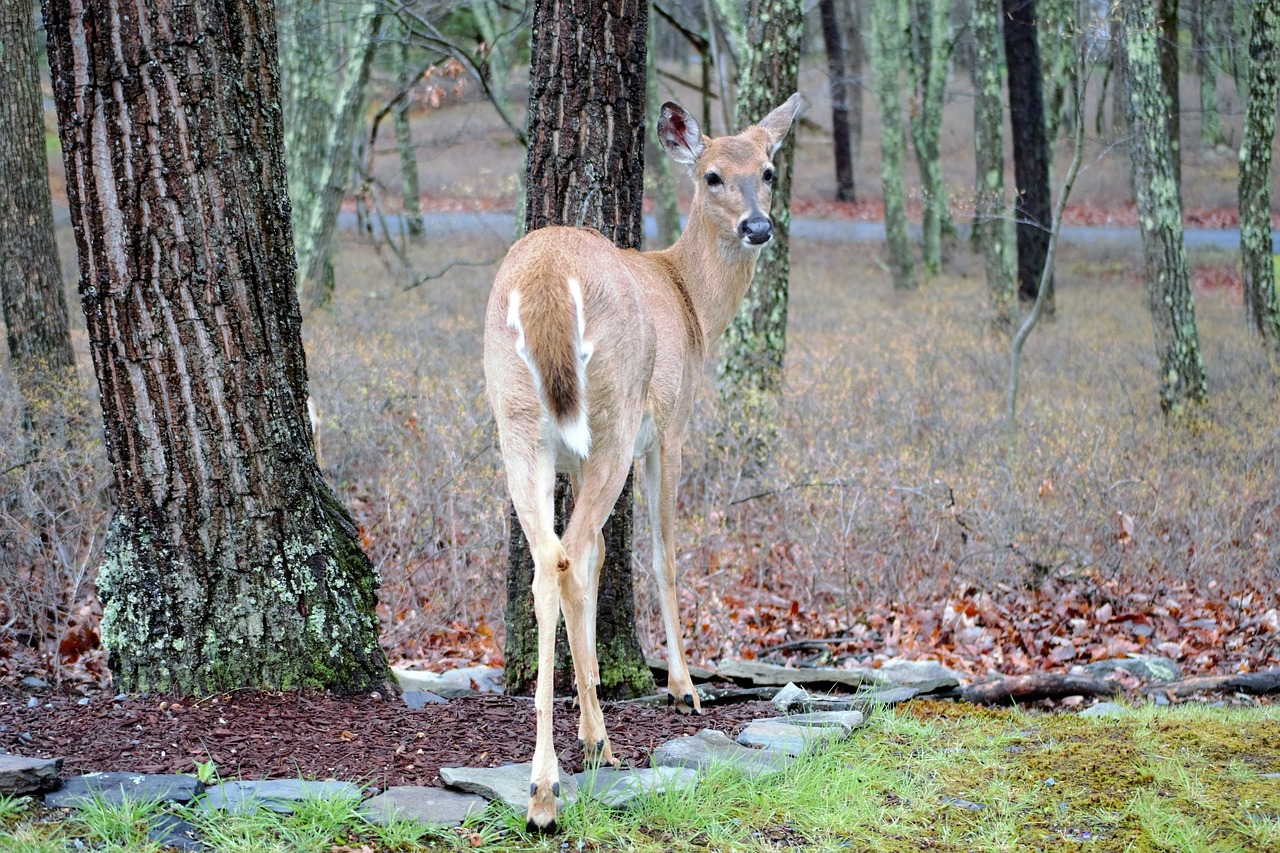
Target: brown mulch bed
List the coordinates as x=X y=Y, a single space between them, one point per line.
x=374 y=741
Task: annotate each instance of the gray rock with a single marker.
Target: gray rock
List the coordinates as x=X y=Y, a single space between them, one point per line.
x=767 y=674
x=1104 y=709
x=1275 y=776
x=34 y=683
x=792 y=695
x=416 y=699
x=171 y=831
x=699 y=752
x=845 y=721
x=425 y=805
x=1145 y=667
x=452 y=684
x=926 y=676
x=112 y=788
x=22 y=775
x=622 y=788
x=508 y=784
x=277 y=795
x=776 y=736
x=962 y=804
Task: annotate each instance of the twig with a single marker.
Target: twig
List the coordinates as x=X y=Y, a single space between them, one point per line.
x=440 y=274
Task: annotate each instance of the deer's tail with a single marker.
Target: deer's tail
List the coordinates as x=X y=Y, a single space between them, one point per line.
x=550 y=338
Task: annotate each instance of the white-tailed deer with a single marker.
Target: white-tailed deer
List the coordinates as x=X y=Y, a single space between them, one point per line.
x=592 y=357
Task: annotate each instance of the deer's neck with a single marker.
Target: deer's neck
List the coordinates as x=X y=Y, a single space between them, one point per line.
x=716 y=274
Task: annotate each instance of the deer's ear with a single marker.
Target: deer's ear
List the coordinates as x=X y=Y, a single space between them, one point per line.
x=679 y=134
x=777 y=123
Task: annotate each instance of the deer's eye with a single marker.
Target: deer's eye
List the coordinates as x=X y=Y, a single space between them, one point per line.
x=769 y=175
x=713 y=180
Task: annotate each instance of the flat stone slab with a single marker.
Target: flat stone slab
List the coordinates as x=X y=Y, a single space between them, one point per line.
x=113 y=788
x=799 y=699
x=508 y=784
x=769 y=674
x=416 y=699
x=277 y=795
x=845 y=721
x=1146 y=667
x=925 y=676
x=436 y=806
x=709 y=747
x=622 y=788
x=774 y=735
x=22 y=775
x=452 y=684
x=1104 y=709
x=169 y=830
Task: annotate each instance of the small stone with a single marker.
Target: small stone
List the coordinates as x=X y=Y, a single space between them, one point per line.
x=623 y=788
x=113 y=788
x=435 y=806
x=35 y=683
x=85 y=701
x=22 y=775
x=958 y=803
x=926 y=676
x=417 y=699
x=509 y=784
x=1104 y=709
x=171 y=831
x=709 y=747
x=790 y=696
x=845 y=721
x=33 y=702
x=777 y=736
x=277 y=795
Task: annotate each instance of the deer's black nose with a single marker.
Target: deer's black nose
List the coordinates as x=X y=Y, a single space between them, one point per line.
x=756 y=230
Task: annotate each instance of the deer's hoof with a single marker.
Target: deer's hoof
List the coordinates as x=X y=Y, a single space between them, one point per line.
x=541 y=817
x=689 y=704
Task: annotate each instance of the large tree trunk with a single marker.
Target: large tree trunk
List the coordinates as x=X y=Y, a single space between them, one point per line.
x=1261 y=304
x=990 y=226
x=755 y=344
x=229 y=563
x=831 y=38
x=586 y=167
x=1182 y=379
x=927 y=67
x=888 y=42
x=854 y=22
x=1030 y=148
x=35 y=305
x=324 y=64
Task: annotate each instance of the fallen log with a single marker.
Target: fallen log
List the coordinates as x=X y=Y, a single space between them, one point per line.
x=1040 y=685
x=1253 y=683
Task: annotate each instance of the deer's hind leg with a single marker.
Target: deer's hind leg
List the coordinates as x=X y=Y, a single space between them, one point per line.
x=532 y=493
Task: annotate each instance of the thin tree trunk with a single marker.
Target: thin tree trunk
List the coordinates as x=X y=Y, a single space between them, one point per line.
x=1057 y=26
x=660 y=171
x=1203 y=34
x=1030 y=148
x=587 y=76
x=410 y=188
x=854 y=20
x=754 y=346
x=229 y=563
x=843 y=154
x=990 y=225
x=1168 y=22
x=325 y=79
x=887 y=45
x=1262 y=307
x=34 y=303
x=928 y=72
x=1182 y=380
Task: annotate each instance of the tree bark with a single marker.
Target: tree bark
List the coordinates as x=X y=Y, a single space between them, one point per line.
x=927 y=68
x=34 y=302
x=229 y=563
x=410 y=189
x=1168 y=22
x=1057 y=24
x=1262 y=307
x=1030 y=147
x=888 y=42
x=843 y=153
x=1203 y=48
x=322 y=107
x=1182 y=380
x=990 y=226
x=854 y=20
x=660 y=170
x=754 y=345
x=586 y=168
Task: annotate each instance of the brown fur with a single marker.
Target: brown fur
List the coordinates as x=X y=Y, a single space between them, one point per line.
x=550 y=327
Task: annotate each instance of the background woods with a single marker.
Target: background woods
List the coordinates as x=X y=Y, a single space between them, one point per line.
x=362 y=219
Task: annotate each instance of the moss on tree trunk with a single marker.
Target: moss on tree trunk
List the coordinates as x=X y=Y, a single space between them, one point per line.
x=887 y=45
x=1262 y=306
x=990 y=224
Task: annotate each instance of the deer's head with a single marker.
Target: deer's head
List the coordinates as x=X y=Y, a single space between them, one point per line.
x=733 y=175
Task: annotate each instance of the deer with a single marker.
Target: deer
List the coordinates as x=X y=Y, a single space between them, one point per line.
x=592 y=358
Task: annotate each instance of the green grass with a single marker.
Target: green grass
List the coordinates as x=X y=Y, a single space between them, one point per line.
x=929 y=776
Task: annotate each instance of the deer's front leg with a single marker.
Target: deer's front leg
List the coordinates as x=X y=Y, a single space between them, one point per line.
x=662 y=478
x=544 y=784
